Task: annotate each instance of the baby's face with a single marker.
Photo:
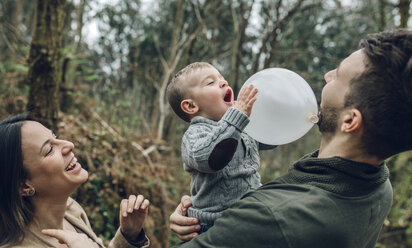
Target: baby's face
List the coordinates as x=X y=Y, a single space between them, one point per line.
x=210 y=91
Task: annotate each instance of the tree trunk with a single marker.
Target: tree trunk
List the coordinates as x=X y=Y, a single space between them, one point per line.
x=18 y=9
x=44 y=59
x=240 y=22
x=270 y=40
x=80 y=23
x=404 y=12
x=179 y=43
x=382 y=15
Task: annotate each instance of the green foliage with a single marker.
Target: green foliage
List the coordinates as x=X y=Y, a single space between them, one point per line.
x=104 y=219
x=398 y=227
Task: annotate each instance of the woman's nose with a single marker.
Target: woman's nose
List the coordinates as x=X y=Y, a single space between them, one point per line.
x=67 y=146
x=330 y=75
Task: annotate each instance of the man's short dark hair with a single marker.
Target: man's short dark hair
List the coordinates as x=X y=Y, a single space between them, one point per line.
x=176 y=92
x=383 y=93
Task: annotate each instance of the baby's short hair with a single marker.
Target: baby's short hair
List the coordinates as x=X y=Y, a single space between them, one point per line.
x=176 y=90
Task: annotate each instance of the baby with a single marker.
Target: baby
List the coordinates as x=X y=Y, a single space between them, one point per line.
x=222 y=160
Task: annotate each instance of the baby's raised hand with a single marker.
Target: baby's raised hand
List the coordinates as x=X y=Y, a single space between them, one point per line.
x=246 y=99
x=133 y=212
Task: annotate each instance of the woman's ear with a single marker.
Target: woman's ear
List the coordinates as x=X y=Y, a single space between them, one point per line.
x=26 y=189
x=352 y=121
x=189 y=106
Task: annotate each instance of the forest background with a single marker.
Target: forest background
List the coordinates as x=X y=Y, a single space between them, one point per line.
x=96 y=73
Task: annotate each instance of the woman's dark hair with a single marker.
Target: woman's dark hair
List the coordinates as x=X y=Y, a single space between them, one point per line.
x=16 y=211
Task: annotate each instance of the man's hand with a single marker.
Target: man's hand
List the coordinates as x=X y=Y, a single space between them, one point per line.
x=184 y=227
x=133 y=212
x=246 y=99
x=70 y=238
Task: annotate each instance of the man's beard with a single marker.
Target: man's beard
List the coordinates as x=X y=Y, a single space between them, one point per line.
x=328 y=119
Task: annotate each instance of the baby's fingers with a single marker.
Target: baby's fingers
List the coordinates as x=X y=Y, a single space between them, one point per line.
x=250 y=105
x=253 y=93
x=244 y=93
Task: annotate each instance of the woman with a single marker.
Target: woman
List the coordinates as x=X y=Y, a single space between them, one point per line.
x=38 y=173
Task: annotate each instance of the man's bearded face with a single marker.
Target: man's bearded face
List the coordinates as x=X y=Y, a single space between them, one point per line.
x=328 y=119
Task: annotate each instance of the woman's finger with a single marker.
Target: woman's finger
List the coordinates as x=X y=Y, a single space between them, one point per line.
x=71 y=239
x=130 y=204
x=123 y=207
x=138 y=202
x=62 y=236
x=145 y=204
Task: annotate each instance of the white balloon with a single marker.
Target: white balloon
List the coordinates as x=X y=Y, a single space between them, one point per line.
x=285 y=107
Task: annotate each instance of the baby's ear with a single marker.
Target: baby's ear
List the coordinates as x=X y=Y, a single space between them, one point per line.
x=189 y=106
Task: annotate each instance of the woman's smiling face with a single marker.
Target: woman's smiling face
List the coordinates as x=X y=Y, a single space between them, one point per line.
x=53 y=169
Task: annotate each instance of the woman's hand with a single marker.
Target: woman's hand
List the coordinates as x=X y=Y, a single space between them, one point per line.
x=246 y=99
x=184 y=227
x=70 y=238
x=133 y=212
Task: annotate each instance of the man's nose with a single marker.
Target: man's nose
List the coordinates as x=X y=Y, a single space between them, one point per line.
x=330 y=75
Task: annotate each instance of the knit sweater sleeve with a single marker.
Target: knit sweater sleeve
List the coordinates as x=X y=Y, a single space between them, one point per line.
x=208 y=146
x=248 y=223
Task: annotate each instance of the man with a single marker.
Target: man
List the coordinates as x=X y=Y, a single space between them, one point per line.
x=339 y=195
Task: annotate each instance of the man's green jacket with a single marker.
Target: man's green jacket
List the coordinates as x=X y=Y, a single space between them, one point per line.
x=331 y=202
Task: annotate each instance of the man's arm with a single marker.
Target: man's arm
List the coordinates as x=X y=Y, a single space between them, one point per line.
x=248 y=223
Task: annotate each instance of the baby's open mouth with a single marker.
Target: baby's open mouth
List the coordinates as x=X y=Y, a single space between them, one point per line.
x=228 y=96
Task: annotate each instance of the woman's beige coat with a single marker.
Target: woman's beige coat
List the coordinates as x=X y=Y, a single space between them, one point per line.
x=78 y=218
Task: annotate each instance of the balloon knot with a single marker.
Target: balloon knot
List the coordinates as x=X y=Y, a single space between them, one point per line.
x=314 y=119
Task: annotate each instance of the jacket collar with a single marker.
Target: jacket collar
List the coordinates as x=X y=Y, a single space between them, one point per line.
x=337 y=175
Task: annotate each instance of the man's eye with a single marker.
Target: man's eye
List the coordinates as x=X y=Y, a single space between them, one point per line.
x=50 y=150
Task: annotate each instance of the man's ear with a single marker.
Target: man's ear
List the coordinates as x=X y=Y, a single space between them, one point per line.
x=352 y=121
x=189 y=106
x=26 y=189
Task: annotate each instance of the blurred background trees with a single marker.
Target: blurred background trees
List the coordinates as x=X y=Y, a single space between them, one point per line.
x=106 y=65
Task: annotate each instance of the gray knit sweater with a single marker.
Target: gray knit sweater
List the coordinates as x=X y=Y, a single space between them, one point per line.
x=223 y=163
